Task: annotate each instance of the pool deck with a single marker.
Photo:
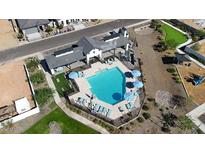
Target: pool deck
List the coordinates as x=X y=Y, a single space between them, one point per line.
x=85 y=91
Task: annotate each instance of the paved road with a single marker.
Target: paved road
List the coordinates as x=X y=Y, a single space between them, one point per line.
x=51 y=43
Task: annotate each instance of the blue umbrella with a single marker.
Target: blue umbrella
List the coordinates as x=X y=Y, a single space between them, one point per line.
x=138 y=84
x=136 y=73
x=73 y=75
x=128 y=96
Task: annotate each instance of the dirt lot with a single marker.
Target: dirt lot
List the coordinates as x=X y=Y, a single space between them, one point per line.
x=13 y=83
x=7 y=35
x=201 y=49
x=156 y=78
x=191 y=23
x=154 y=70
x=197 y=92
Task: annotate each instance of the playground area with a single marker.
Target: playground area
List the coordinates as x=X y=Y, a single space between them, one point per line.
x=188 y=74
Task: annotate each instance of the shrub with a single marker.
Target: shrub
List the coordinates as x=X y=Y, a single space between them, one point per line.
x=145 y=108
x=140 y=119
x=160 y=47
x=175 y=74
x=49 y=29
x=161 y=110
x=151 y=99
x=165 y=129
x=19 y=35
x=32 y=64
x=146 y=115
x=60 y=26
x=37 y=78
x=171 y=70
x=169 y=119
x=196 y=47
x=199 y=131
x=156 y=104
x=43 y=94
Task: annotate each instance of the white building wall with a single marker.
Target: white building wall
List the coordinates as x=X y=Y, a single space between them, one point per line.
x=21 y=116
x=94 y=53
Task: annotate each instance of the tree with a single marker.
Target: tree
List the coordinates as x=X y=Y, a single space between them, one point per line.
x=146 y=115
x=168 y=119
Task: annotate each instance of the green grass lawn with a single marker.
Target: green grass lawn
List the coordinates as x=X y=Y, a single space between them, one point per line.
x=172 y=36
x=62 y=84
x=67 y=124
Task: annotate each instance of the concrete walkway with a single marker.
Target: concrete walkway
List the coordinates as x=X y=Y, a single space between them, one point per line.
x=69 y=112
x=195 y=114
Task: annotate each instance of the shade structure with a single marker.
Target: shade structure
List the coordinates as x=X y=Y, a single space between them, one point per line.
x=136 y=73
x=129 y=96
x=138 y=84
x=73 y=75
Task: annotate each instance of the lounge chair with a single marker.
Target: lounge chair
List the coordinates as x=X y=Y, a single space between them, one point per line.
x=96 y=108
x=104 y=112
x=108 y=113
x=109 y=62
x=120 y=109
x=130 y=106
x=101 y=109
x=80 y=101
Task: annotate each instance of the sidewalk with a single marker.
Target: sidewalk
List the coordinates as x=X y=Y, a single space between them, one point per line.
x=195 y=114
x=69 y=112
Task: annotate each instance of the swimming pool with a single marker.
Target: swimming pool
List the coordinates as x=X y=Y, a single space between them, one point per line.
x=108 y=85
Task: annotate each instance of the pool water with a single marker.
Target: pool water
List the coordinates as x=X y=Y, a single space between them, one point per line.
x=108 y=85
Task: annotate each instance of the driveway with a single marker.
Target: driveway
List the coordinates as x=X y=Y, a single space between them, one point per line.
x=154 y=71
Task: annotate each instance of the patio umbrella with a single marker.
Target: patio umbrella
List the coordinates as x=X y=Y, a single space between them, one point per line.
x=73 y=75
x=128 y=96
x=136 y=73
x=138 y=84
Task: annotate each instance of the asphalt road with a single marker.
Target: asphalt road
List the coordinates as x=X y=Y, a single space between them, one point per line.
x=54 y=42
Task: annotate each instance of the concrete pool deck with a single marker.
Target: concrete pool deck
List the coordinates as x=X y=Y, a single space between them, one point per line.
x=85 y=92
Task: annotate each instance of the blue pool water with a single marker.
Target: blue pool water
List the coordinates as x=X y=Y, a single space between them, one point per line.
x=108 y=85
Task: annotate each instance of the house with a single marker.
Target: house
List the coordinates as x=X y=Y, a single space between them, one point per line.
x=86 y=49
x=31 y=27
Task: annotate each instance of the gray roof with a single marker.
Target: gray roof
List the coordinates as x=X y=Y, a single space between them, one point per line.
x=182 y=57
x=108 y=37
x=30 y=23
x=85 y=45
x=54 y=62
x=89 y=43
x=31 y=31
